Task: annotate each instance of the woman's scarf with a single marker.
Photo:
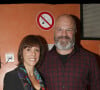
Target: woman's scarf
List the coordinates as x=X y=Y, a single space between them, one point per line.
x=23 y=76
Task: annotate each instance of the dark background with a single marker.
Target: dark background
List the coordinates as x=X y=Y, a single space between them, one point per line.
x=48 y=1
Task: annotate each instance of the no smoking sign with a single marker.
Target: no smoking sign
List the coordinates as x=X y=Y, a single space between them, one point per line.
x=45 y=20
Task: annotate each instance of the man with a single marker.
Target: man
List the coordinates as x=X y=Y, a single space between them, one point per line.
x=68 y=66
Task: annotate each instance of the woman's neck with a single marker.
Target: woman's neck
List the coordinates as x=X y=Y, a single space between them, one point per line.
x=29 y=70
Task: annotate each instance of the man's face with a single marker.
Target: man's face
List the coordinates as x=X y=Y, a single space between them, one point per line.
x=64 y=33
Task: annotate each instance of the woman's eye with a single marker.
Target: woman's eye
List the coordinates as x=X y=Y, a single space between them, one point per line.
x=28 y=49
x=37 y=50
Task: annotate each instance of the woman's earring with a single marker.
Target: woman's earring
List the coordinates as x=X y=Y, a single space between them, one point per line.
x=21 y=57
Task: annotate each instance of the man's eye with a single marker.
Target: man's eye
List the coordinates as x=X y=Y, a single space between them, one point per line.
x=59 y=29
x=69 y=30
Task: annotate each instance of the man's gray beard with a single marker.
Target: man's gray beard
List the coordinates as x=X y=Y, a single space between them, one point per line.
x=67 y=47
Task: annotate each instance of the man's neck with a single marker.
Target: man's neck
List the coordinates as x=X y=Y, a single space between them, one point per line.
x=65 y=52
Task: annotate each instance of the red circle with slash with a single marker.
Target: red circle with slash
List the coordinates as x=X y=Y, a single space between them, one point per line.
x=45 y=20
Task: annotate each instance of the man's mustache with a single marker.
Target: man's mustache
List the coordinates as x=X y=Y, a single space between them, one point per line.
x=65 y=37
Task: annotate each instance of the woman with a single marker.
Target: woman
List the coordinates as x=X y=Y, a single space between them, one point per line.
x=26 y=76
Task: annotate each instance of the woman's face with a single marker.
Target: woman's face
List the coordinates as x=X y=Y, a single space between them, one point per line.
x=31 y=55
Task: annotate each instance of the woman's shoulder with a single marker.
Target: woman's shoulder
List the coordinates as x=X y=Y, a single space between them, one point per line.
x=12 y=73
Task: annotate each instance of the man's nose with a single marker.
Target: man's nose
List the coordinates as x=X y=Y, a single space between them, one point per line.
x=64 y=32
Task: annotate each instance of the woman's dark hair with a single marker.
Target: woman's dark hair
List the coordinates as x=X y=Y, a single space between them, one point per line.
x=29 y=41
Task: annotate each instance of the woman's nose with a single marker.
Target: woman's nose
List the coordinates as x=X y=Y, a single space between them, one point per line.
x=33 y=53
